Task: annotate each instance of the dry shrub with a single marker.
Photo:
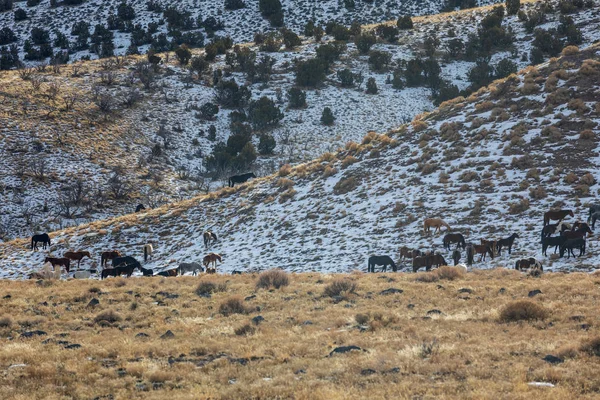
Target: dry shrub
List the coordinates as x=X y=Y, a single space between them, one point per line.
x=6 y=321
x=31 y=322
x=245 y=330
x=469 y=176
x=379 y=320
x=450 y=131
x=275 y=277
x=538 y=193
x=329 y=171
x=477 y=122
x=444 y=177
x=582 y=190
x=285 y=170
x=484 y=106
x=578 y=105
x=553 y=133
x=571 y=178
x=428 y=168
x=587 y=134
x=285 y=183
x=559 y=96
x=361 y=319
x=522 y=162
x=427 y=277
x=529 y=87
x=339 y=287
x=570 y=50
x=398 y=208
x=371 y=136
x=522 y=310
x=233 y=305
x=287 y=195
x=346 y=185
x=533 y=173
x=590 y=68
x=348 y=161
x=327 y=157
x=205 y=288
x=418 y=125
x=519 y=206
x=567 y=351
x=160 y=376
x=591 y=347
x=449 y=273
x=108 y=317
x=588 y=179
x=352 y=146
x=551 y=83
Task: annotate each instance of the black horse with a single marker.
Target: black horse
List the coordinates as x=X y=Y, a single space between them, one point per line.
x=146 y=272
x=553 y=241
x=124 y=269
x=381 y=260
x=470 y=254
x=454 y=238
x=140 y=207
x=126 y=261
x=571 y=244
x=508 y=242
x=43 y=238
x=593 y=209
x=595 y=217
x=240 y=178
x=456 y=256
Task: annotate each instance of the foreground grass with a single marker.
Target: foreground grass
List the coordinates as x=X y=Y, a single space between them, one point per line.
x=408 y=349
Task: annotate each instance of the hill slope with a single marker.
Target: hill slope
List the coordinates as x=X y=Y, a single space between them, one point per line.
x=489 y=165
x=41 y=129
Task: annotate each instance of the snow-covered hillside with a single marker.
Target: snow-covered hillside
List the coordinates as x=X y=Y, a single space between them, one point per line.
x=489 y=165
x=239 y=24
x=83 y=142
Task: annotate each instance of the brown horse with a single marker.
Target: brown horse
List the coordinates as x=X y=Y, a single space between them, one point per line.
x=170 y=272
x=483 y=250
x=209 y=238
x=423 y=261
x=492 y=244
x=211 y=258
x=405 y=252
x=77 y=256
x=434 y=223
x=580 y=232
x=437 y=260
x=556 y=215
x=109 y=255
x=64 y=262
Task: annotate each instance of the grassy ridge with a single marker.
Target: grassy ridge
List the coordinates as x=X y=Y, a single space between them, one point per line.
x=408 y=348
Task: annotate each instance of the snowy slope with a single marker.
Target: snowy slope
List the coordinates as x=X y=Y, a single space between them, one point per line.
x=477 y=163
x=240 y=25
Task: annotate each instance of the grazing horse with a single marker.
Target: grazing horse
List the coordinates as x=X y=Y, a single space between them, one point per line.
x=437 y=260
x=578 y=233
x=148 y=250
x=454 y=238
x=108 y=255
x=456 y=256
x=171 y=272
x=470 y=254
x=240 y=178
x=570 y=244
x=508 y=242
x=422 y=261
x=435 y=223
x=483 y=250
x=126 y=269
x=77 y=256
x=140 y=207
x=43 y=238
x=527 y=263
x=595 y=216
x=211 y=258
x=209 y=238
x=552 y=241
x=405 y=252
x=192 y=267
x=65 y=262
x=127 y=261
x=556 y=215
x=594 y=208
x=384 y=261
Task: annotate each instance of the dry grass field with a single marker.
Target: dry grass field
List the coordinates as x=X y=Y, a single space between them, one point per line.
x=120 y=348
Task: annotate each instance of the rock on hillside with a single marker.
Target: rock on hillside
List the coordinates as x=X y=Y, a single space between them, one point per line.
x=489 y=165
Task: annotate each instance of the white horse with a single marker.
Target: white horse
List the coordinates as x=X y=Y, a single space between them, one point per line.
x=148 y=249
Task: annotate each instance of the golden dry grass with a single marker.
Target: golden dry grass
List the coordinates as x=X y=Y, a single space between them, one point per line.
x=410 y=350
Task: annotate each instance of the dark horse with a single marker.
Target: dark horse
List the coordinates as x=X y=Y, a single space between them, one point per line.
x=240 y=178
x=118 y=271
x=456 y=256
x=571 y=244
x=381 y=260
x=552 y=241
x=140 y=207
x=209 y=238
x=580 y=232
x=146 y=272
x=595 y=216
x=171 y=272
x=470 y=254
x=454 y=238
x=422 y=261
x=65 y=262
x=526 y=263
x=437 y=260
x=594 y=208
x=126 y=261
x=43 y=238
x=556 y=215
x=508 y=242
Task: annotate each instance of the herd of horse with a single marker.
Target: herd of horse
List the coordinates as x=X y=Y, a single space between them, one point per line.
x=114 y=263
x=564 y=237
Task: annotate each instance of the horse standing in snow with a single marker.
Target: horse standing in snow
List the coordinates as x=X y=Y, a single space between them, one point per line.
x=43 y=238
x=211 y=258
x=434 y=223
x=209 y=238
x=148 y=250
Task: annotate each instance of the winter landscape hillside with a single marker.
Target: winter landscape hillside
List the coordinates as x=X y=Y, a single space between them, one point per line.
x=489 y=165
x=91 y=140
